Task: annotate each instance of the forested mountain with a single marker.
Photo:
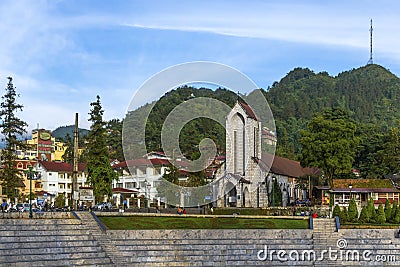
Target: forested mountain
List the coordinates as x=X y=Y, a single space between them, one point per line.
x=194 y=131
x=62 y=131
x=371 y=94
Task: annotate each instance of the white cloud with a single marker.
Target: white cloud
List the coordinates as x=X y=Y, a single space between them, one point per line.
x=61 y=60
x=343 y=24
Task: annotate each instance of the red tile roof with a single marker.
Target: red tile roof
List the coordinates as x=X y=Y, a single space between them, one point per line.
x=141 y=162
x=61 y=166
x=124 y=190
x=248 y=109
x=287 y=167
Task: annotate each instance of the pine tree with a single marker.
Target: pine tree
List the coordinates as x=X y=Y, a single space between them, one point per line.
x=277 y=193
x=100 y=172
x=11 y=128
x=371 y=210
x=388 y=210
x=396 y=218
x=395 y=210
x=344 y=215
x=380 y=216
x=353 y=212
x=336 y=211
x=364 y=216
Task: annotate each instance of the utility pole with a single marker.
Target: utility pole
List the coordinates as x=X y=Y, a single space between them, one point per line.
x=75 y=166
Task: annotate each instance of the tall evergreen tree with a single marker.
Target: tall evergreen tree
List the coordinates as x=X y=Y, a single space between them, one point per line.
x=11 y=128
x=380 y=214
x=388 y=210
x=364 y=215
x=101 y=174
x=276 y=194
x=336 y=211
x=395 y=210
x=114 y=139
x=353 y=211
x=344 y=215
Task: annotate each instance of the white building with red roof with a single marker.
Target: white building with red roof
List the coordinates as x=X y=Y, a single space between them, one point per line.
x=56 y=177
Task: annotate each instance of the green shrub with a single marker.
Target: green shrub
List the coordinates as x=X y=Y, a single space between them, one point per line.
x=336 y=211
x=371 y=210
x=388 y=210
x=395 y=209
x=344 y=216
x=364 y=216
x=380 y=216
x=396 y=218
x=353 y=212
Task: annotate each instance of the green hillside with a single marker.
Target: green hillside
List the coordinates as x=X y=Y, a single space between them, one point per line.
x=371 y=94
x=62 y=131
x=193 y=132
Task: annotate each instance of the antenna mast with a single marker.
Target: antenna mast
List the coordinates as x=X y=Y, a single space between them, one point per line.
x=370 y=61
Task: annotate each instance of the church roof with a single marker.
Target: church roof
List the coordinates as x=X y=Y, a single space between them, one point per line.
x=249 y=111
x=287 y=167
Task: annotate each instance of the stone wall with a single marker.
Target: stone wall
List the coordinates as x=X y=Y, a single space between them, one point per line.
x=80 y=242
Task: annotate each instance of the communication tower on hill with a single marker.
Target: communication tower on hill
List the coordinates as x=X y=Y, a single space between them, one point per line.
x=370 y=61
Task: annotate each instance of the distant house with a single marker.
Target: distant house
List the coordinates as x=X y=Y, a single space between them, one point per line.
x=142 y=176
x=293 y=179
x=361 y=190
x=56 y=177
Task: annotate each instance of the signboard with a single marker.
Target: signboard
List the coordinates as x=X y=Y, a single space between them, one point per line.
x=86 y=194
x=45 y=145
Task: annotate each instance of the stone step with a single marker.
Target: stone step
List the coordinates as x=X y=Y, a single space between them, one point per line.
x=212 y=234
x=242 y=263
x=156 y=241
x=52 y=256
x=228 y=260
x=48 y=249
x=234 y=253
x=50 y=244
x=95 y=261
x=60 y=238
x=40 y=222
x=34 y=232
x=191 y=247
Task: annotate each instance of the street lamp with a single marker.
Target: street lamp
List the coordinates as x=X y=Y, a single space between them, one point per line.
x=350 y=187
x=147 y=192
x=273 y=192
x=31 y=175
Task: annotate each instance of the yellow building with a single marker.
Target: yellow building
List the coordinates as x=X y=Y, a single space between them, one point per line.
x=42 y=146
x=59 y=150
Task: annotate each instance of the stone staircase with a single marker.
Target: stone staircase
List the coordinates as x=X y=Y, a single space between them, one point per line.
x=101 y=237
x=208 y=247
x=83 y=242
x=325 y=236
x=49 y=242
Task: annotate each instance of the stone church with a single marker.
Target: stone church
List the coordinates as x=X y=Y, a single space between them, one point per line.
x=242 y=179
x=246 y=177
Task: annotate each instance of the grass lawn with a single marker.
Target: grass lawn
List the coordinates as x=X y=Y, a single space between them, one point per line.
x=159 y=222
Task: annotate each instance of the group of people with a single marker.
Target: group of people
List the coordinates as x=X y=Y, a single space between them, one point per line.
x=7 y=207
x=11 y=207
x=181 y=211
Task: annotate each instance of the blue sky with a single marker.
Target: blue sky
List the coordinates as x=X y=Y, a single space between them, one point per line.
x=62 y=54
